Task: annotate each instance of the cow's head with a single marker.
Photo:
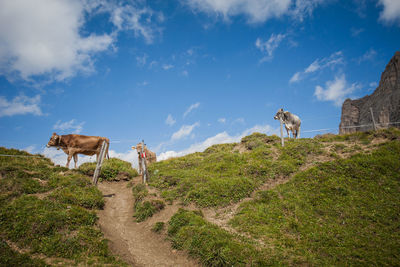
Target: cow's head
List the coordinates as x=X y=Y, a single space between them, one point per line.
x=279 y=115
x=54 y=140
x=138 y=148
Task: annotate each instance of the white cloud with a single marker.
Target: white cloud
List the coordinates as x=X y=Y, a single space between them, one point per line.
x=69 y=125
x=313 y=67
x=295 y=77
x=368 y=56
x=220 y=138
x=256 y=11
x=335 y=91
x=239 y=120
x=222 y=120
x=303 y=8
x=268 y=47
x=390 y=12
x=20 y=105
x=185 y=73
x=30 y=149
x=130 y=156
x=139 y=20
x=318 y=65
x=192 y=107
x=167 y=66
x=47 y=37
x=43 y=37
x=356 y=31
x=184 y=131
x=170 y=120
x=373 y=84
x=60 y=158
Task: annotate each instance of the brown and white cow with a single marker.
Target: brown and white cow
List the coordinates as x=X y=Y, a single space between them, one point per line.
x=150 y=155
x=74 y=144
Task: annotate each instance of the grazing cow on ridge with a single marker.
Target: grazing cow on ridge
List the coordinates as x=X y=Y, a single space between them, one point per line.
x=292 y=122
x=150 y=155
x=74 y=144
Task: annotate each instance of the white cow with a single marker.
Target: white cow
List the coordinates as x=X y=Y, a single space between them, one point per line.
x=292 y=122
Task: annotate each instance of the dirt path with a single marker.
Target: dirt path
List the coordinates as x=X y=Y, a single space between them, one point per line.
x=132 y=241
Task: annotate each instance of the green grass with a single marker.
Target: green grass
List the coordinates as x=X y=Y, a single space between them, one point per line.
x=364 y=137
x=340 y=213
x=9 y=257
x=146 y=209
x=87 y=196
x=25 y=175
x=343 y=213
x=113 y=169
x=142 y=208
x=221 y=175
x=212 y=245
x=158 y=227
x=59 y=224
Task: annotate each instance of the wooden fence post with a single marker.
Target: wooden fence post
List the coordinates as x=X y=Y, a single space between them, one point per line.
x=144 y=165
x=104 y=148
x=282 y=138
x=373 y=119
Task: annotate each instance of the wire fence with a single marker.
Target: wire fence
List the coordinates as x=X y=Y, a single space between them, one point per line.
x=21 y=156
x=117 y=141
x=380 y=125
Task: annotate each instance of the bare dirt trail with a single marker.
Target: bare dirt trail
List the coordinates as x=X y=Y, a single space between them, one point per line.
x=135 y=242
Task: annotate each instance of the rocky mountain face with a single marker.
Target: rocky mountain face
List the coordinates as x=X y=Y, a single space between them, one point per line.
x=384 y=101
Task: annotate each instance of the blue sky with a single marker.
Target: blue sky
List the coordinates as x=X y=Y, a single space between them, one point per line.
x=184 y=74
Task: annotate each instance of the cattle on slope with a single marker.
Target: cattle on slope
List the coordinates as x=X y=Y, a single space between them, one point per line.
x=292 y=122
x=74 y=144
x=150 y=156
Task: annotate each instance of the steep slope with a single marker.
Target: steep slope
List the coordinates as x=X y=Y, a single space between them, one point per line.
x=384 y=101
x=134 y=242
x=47 y=214
x=332 y=200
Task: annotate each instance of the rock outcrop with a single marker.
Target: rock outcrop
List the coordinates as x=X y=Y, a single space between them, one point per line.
x=384 y=101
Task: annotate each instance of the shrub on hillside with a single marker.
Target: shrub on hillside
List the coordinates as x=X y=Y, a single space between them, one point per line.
x=112 y=170
x=146 y=209
x=256 y=140
x=158 y=227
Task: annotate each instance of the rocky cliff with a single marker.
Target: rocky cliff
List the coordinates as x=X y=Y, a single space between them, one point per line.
x=384 y=101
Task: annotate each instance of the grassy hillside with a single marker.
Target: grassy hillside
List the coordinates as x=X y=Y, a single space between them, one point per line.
x=337 y=203
x=327 y=201
x=222 y=174
x=47 y=214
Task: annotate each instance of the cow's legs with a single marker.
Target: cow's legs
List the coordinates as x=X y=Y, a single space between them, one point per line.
x=75 y=159
x=68 y=160
x=288 y=133
x=298 y=133
x=140 y=165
